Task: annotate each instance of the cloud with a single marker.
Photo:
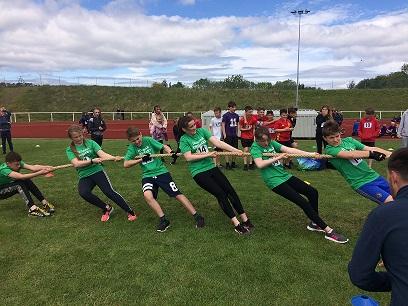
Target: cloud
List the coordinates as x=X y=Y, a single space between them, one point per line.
x=187 y=2
x=58 y=36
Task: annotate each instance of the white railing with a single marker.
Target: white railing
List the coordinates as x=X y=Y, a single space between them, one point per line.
x=74 y=116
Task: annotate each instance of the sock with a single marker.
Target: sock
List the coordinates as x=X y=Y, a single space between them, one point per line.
x=131 y=212
x=196 y=215
x=163 y=218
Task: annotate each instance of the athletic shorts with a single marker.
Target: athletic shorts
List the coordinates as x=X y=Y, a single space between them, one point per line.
x=368 y=143
x=286 y=143
x=377 y=190
x=246 y=143
x=232 y=141
x=164 y=181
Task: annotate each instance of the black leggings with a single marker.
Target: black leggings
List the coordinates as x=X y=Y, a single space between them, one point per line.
x=320 y=143
x=100 y=179
x=97 y=138
x=22 y=187
x=292 y=190
x=6 y=135
x=215 y=182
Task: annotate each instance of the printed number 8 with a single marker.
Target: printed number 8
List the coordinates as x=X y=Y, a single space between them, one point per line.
x=173 y=186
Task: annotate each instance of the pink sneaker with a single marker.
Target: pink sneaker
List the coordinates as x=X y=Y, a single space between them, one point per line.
x=105 y=217
x=132 y=217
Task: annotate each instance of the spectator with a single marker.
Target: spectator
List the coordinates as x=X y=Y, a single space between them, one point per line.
x=337 y=116
x=83 y=121
x=269 y=123
x=177 y=135
x=260 y=116
x=292 y=114
x=196 y=121
x=153 y=120
x=158 y=131
x=369 y=130
x=97 y=126
x=122 y=114
x=356 y=124
x=321 y=119
x=383 y=130
x=229 y=129
x=283 y=129
x=5 y=128
x=215 y=128
x=384 y=235
x=392 y=130
x=403 y=129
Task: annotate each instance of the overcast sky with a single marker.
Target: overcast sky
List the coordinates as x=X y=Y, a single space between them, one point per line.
x=185 y=40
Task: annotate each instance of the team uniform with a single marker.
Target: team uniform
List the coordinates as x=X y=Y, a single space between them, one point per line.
x=155 y=174
x=368 y=130
x=231 y=123
x=94 y=175
x=247 y=136
x=358 y=175
x=287 y=185
x=260 y=120
x=283 y=137
x=10 y=186
x=94 y=125
x=271 y=129
x=207 y=175
x=215 y=125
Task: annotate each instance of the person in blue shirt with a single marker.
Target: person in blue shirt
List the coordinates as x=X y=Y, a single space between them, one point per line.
x=385 y=235
x=5 y=129
x=355 y=128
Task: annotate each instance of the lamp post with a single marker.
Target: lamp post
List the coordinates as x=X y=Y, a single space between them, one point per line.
x=299 y=13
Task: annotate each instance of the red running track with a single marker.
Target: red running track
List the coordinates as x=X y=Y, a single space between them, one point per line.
x=116 y=129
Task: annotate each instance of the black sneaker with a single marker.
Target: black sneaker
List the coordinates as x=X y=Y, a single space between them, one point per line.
x=199 y=221
x=336 y=237
x=163 y=225
x=248 y=225
x=241 y=229
x=314 y=227
x=245 y=167
x=234 y=165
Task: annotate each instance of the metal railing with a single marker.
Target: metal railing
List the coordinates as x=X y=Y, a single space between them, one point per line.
x=75 y=116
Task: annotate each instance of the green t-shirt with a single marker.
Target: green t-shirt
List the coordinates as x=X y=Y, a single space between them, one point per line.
x=275 y=174
x=4 y=173
x=155 y=166
x=86 y=151
x=197 y=143
x=355 y=171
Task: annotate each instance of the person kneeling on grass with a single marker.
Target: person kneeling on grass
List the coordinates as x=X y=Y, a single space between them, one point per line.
x=87 y=157
x=349 y=162
x=156 y=175
x=207 y=175
x=13 y=182
x=287 y=185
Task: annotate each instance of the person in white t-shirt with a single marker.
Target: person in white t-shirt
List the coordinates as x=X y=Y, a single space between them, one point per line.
x=215 y=128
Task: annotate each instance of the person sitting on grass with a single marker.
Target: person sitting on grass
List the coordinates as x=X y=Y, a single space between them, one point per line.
x=385 y=235
x=207 y=175
x=288 y=186
x=349 y=154
x=155 y=176
x=87 y=157
x=13 y=182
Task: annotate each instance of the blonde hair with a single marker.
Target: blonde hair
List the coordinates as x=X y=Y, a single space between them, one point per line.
x=75 y=129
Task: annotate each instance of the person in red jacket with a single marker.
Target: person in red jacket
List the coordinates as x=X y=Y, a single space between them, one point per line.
x=369 y=130
x=283 y=129
x=247 y=125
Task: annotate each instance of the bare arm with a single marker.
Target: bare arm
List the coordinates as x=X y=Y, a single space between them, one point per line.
x=131 y=163
x=289 y=150
x=21 y=176
x=223 y=145
x=387 y=153
x=35 y=168
x=106 y=156
x=263 y=163
x=224 y=135
x=192 y=157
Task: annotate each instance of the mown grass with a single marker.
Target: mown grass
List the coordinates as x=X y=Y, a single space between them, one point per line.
x=82 y=98
x=73 y=258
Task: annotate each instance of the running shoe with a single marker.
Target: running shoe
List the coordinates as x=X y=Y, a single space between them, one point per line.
x=48 y=207
x=132 y=217
x=163 y=225
x=248 y=225
x=314 y=227
x=105 y=217
x=38 y=212
x=336 y=237
x=199 y=221
x=241 y=229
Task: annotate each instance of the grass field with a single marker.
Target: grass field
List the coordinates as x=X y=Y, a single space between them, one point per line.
x=82 y=98
x=73 y=258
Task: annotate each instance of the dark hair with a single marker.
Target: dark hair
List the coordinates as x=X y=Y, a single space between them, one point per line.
x=155 y=107
x=189 y=114
x=132 y=132
x=13 y=157
x=248 y=108
x=369 y=111
x=231 y=104
x=260 y=132
x=270 y=112
x=75 y=129
x=292 y=110
x=260 y=108
x=217 y=108
x=183 y=123
x=398 y=162
x=283 y=111
x=331 y=127
x=325 y=106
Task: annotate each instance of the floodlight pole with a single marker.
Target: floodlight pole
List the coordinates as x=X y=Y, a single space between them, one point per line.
x=299 y=13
